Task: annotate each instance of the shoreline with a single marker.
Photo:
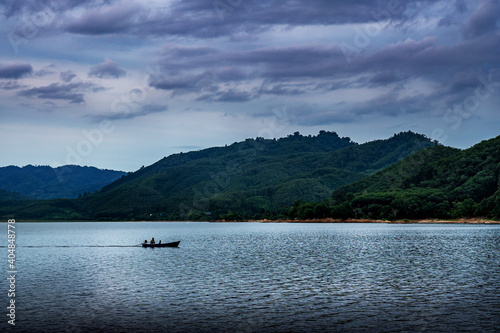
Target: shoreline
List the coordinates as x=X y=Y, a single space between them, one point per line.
x=325 y=220
x=421 y=221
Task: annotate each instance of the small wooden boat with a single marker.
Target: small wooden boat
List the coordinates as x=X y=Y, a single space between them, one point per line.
x=172 y=244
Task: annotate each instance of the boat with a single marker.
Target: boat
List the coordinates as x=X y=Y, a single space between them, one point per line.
x=171 y=244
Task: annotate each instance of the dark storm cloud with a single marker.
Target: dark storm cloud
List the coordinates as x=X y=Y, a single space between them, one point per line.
x=483 y=20
x=193 y=82
x=207 y=19
x=72 y=92
x=213 y=20
x=389 y=63
x=281 y=90
x=106 y=70
x=14 y=70
x=231 y=95
x=461 y=6
x=223 y=18
x=140 y=111
x=385 y=78
x=222 y=72
x=463 y=80
x=17 y=7
x=105 y=20
x=306 y=69
x=272 y=64
x=179 y=84
x=210 y=19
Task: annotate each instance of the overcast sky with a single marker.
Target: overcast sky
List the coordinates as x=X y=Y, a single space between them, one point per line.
x=120 y=84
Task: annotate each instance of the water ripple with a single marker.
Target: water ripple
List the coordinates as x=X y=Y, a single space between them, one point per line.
x=258 y=278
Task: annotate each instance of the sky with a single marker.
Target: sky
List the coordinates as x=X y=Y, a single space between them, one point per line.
x=121 y=84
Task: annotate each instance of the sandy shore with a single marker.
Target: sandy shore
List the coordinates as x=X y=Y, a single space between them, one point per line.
x=424 y=221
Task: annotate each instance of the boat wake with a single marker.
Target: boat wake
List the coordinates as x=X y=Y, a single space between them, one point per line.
x=40 y=246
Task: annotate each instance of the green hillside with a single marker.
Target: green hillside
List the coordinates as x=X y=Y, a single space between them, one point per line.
x=256 y=178
x=438 y=182
x=7 y=197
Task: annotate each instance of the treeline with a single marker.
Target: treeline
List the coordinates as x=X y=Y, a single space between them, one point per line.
x=415 y=204
x=438 y=182
x=407 y=176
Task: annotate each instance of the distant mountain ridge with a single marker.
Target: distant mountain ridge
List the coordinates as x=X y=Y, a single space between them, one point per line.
x=45 y=182
x=256 y=177
x=253 y=179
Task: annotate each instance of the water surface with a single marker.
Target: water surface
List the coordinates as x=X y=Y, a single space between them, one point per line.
x=256 y=277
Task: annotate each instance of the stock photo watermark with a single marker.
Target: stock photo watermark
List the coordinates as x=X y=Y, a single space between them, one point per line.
x=32 y=25
x=363 y=36
x=485 y=88
x=11 y=271
x=122 y=107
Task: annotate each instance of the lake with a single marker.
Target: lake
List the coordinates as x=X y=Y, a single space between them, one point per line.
x=255 y=277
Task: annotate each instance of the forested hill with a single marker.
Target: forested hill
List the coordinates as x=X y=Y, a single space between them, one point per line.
x=45 y=182
x=438 y=182
x=250 y=179
x=10 y=197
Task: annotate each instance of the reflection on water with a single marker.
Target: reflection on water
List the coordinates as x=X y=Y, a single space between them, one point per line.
x=251 y=277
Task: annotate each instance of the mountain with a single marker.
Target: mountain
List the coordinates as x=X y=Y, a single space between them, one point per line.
x=10 y=203
x=437 y=182
x=44 y=182
x=256 y=178
x=11 y=197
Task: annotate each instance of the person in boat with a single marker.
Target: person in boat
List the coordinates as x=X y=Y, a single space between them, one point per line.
x=159 y=242
x=152 y=240
x=145 y=241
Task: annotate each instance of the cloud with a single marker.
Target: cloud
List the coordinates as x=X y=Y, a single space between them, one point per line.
x=13 y=70
x=141 y=111
x=71 y=92
x=47 y=70
x=29 y=7
x=212 y=19
x=48 y=107
x=106 y=70
x=461 y=6
x=464 y=80
x=392 y=104
x=309 y=114
x=10 y=85
x=67 y=76
x=206 y=19
x=231 y=95
x=281 y=90
x=183 y=83
x=483 y=20
x=291 y=70
x=385 y=78
x=117 y=18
